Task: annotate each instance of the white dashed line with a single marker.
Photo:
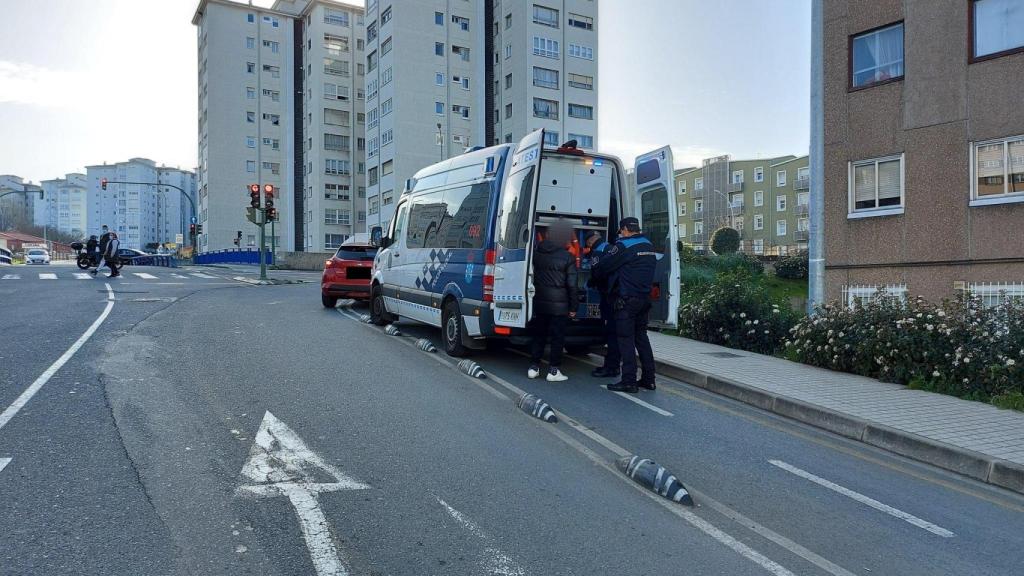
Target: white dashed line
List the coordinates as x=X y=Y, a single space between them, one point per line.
x=83 y=276
x=636 y=400
x=3 y=463
x=11 y=277
x=909 y=518
x=47 y=276
x=144 y=275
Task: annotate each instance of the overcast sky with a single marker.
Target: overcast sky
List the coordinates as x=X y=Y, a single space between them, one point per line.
x=88 y=81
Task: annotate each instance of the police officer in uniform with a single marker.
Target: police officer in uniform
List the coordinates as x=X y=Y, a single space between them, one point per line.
x=628 y=268
x=598 y=247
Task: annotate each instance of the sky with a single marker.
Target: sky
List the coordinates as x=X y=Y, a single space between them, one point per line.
x=84 y=82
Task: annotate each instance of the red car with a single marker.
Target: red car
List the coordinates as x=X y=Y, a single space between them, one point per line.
x=347 y=274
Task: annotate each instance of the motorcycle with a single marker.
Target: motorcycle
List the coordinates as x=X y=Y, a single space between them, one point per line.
x=86 y=260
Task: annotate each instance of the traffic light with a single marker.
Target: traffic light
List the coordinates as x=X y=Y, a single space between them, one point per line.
x=268 y=192
x=254 y=195
x=103 y=183
x=192 y=230
x=199 y=228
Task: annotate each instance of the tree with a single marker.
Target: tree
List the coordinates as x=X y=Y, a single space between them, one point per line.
x=725 y=240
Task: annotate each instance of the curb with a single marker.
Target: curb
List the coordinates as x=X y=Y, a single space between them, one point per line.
x=962 y=461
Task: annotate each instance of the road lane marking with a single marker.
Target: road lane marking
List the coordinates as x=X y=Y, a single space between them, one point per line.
x=12 y=277
x=690 y=517
x=497 y=562
x=47 y=276
x=179 y=276
x=909 y=518
x=281 y=464
x=144 y=275
x=84 y=276
x=31 y=391
x=636 y=400
x=200 y=275
x=3 y=463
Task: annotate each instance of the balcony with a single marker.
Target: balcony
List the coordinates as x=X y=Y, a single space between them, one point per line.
x=803 y=209
x=698 y=237
x=802 y=183
x=735 y=187
x=802 y=235
x=698 y=193
x=553 y=84
x=737 y=206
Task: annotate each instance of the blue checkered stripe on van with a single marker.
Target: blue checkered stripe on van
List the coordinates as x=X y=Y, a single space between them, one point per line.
x=432 y=269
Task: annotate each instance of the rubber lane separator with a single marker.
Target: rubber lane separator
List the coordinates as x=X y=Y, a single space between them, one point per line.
x=910 y=518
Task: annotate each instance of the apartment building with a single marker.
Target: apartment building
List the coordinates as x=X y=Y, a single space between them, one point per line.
x=16 y=209
x=766 y=200
x=447 y=75
x=924 y=148
x=173 y=209
x=65 y=205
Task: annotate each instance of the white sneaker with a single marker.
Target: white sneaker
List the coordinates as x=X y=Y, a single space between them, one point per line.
x=533 y=372
x=555 y=375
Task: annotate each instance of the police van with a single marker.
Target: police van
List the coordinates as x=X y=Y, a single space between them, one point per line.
x=457 y=253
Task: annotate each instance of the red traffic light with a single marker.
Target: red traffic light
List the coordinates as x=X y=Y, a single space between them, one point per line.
x=103 y=183
x=268 y=188
x=254 y=188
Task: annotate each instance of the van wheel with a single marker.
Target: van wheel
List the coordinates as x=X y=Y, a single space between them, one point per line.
x=451 y=323
x=378 y=313
x=327 y=301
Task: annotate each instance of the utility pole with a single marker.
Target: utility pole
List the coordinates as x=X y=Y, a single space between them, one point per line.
x=816 y=243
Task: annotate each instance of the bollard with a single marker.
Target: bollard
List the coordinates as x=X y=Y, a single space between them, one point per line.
x=654 y=477
x=392 y=330
x=365 y=319
x=472 y=368
x=536 y=407
x=426 y=345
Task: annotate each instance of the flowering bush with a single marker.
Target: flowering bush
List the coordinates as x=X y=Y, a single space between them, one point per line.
x=735 y=310
x=957 y=347
x=793 y=267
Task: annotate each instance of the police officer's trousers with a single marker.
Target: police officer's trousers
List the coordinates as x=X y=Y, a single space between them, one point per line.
x=631 y=329
x=613 y=358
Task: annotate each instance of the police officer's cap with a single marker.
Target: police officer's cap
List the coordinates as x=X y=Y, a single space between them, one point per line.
x=631 y=224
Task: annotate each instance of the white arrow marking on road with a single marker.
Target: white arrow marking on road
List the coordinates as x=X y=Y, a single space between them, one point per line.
x=3 y=463
x=12 y=277
x=145 y=276
x=83 y=276
x=47 y=276
x=910 y=518
x=280 y=464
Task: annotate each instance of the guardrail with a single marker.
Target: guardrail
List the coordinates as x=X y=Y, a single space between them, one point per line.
x=6 y=257
x=155 y=260
x=233 y=257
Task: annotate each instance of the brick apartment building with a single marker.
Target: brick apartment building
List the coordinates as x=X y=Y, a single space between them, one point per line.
x=924 y=147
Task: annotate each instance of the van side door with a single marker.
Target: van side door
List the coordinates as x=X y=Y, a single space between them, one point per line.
x=514 y=235
x=394 y=266
x=655 y=207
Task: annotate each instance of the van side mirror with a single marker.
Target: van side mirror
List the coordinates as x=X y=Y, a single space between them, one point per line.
x=377 y=237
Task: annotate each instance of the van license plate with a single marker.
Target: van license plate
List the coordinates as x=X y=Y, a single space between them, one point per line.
x=509 y=315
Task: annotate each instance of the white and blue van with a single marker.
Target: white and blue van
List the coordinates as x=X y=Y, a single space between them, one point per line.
x=457 y=253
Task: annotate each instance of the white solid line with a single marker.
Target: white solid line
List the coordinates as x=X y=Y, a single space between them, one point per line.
x=910 y=518
x=11 y=277
x=650 y=407
x=47 y=276
x=144 y=275
x=31 y=391
x=496 y=562
x=3 y=463
x=83 y=276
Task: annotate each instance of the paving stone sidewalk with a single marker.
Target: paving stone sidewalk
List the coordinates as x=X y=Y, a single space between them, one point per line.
x=971 y=438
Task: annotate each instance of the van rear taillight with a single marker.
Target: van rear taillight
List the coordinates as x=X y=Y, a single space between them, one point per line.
x=656 y=291
x=490 y=257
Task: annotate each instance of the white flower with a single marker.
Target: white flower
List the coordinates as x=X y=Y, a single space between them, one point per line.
x=743 y=314
x=930 y=327
x=936 y=374
x=1010 y=361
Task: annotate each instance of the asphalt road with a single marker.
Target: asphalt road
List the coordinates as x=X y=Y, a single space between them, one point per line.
x=129 y=459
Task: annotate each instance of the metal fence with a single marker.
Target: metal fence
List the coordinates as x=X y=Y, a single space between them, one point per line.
x=865 y=294
x=233 y=257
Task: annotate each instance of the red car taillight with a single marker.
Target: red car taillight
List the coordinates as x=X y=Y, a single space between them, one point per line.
x=490 y=258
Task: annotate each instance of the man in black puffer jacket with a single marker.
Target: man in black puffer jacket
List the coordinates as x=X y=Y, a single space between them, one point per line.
x=555 y=301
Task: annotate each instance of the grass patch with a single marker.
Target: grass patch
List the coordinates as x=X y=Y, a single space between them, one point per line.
x=785 y=288
x=1009 y=401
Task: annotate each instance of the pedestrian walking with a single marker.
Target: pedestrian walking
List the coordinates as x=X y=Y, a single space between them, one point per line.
x=598 y=247
x=104 y=242
x=555 y=300
x=628 y=268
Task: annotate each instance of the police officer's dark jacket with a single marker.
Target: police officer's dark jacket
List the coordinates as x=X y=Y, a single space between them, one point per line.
x=104 y=241
x=628 y=267
x=596 y=253
x=554 y=277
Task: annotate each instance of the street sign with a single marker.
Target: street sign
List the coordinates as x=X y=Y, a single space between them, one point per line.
x=193 y=220
x=179 y=238
x=251 y=216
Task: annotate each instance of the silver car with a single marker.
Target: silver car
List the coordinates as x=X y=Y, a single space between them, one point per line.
x=37 y=256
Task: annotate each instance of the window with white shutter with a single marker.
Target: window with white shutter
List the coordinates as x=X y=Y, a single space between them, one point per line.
x=876 y=186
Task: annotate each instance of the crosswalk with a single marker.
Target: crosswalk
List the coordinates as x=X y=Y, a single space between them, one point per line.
x=170 y=277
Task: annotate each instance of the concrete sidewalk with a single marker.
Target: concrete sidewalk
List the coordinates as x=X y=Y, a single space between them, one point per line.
x=970 y=438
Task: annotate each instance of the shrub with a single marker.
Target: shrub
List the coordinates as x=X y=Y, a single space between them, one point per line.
x=725 y=240
x=793 y=267
x=738 y=261
x=957 y=347
x=736 y=311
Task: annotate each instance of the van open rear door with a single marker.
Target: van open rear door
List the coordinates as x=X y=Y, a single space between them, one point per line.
x=655 y=206
x=513 y=275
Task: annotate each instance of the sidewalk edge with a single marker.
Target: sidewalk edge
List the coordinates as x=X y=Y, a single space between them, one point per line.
x=962 y=461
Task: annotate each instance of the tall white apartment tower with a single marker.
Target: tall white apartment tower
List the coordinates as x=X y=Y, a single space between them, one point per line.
x=246 y=118
x=446 y=75
x=542 y=71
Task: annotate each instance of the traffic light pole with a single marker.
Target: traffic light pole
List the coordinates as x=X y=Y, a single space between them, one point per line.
x=263 y=245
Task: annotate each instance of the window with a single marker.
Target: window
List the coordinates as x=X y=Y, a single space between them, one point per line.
x=698 y=183
x=335 y=17
x=274 y=167
x=780 y=203
x=545 y=16
x=515 y=220
x=780 y=227
x=992 y=295
x=387 y=137
x=698 y=228
x=337 y=216
x=581 y=111
x=997 y=28
x=861 y=295
x=385 y=77
x=371 y=61
x=336 y=192
x=439 y=79
x=337 y=167
x=998 y=171
x=274 y=22
x=274 y=119
x=462 y=81
x=275 y=47
x=803 y=199
x=508 y=81
x=508 y=51
x=360 y=44
x=275 y=71
x=336 y=142
x=759 y=174
x=737 y=176
x=461 y=110
x=736 y=201
x=250 y=117
x=876 y=185
x=274 y=143
x=584 y=22
x=508 y=110
x=758 y=221
x=545 y=47
x=803 y=225
x=508 y=21
x=374 y=203
x=580 y=81
x=578 y=51
x=551 y=138
x=250 y=166
x=545 y=78
x=682 y=210
x=387 y=197
x=698 y=206
x=738 y=223
x=682 y=186
x=250 y=43
x=386 y=107
x=545 y=108
x=759 y=246
x=461 y=22
x=385 y=16
x=335 y=92
x=439 y=18
x=250 y=18
x=439 y=48
x=250 y=141
x=385 y=46
x=334 y=240
x=439 y=108
x=462 y=51
x=274 y=95
x=250 y=67
x=387 y=168
x=877 y=56
x=373 y=176
x=759 y=198
x=371 y=32
x=336 y=45
x=250 y=93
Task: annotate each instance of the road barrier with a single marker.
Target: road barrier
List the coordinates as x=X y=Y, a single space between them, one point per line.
x=233 y=257
x=655 y=478
x=155 y=260
x=536 y=407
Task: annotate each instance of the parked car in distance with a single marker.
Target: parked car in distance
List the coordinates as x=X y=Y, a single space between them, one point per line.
x=37 y=256
x=125 y=255
x=347 y=273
